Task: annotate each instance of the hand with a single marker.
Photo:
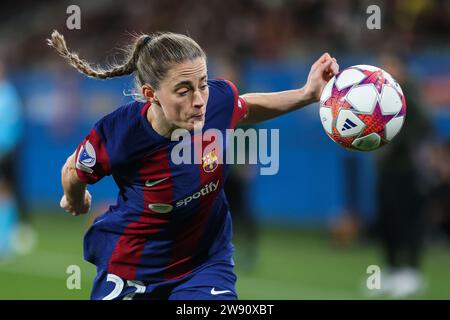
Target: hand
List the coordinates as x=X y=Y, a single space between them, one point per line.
x=321 y=72
x=77 y=208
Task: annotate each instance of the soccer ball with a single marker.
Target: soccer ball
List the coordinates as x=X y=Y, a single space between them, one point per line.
x=362 y=108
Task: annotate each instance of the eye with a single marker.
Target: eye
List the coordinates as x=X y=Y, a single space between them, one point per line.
x=204 y=87
x=183 y=93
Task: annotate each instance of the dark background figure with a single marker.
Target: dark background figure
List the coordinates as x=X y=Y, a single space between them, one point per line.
x=401 y=200
x=10 y=129
x=16 y=234
x=438 y=205
x=245 y=224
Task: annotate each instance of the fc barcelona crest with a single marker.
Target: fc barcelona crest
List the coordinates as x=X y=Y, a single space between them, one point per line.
x=210 y=161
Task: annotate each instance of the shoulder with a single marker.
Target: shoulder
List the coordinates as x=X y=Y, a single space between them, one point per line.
x=222 y=88
x=116 y=139
x=120 y=120
x=121 y=131
x=128 y=112
x=127 y=135
x=222 y=94
x=225 y=97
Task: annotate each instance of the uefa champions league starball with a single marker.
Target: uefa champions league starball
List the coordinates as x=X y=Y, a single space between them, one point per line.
x=362 y=108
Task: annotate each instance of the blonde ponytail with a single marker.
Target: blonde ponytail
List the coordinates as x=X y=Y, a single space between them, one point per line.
x=58 y=42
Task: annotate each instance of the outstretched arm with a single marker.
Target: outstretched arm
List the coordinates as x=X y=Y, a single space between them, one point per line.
x=76 y=199
x=264 y=106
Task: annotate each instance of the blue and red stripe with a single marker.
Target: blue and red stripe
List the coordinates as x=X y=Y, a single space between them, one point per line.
x=126 y=257
x=186 y=252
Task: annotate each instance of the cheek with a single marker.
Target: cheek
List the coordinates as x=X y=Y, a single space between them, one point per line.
x=174 y=111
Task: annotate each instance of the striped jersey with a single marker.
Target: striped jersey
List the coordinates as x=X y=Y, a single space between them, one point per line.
x=170 y=219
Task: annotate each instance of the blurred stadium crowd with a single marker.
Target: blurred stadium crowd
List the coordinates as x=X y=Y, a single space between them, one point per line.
x=264 y=29
x=236 y=34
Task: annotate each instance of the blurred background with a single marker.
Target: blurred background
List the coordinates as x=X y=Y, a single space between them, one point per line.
x=309 y=232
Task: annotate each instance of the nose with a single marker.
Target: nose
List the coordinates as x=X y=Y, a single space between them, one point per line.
x=199 y=100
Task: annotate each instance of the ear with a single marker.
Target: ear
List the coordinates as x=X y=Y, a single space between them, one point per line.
x=148 y=92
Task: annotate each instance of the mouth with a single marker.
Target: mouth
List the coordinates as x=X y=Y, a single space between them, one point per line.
x=198 y=117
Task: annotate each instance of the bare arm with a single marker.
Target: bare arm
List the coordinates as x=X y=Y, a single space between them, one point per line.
x=264 y=106
x=76 y=199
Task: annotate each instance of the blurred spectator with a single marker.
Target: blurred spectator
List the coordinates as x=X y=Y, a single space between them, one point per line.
x=15 y=234
x=400 y=198
x=10 y=132
x=245 y=223
x=346 y=230
x=263 y=29
x=438 y=204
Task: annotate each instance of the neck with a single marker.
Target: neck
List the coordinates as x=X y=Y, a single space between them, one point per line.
x=158 y=121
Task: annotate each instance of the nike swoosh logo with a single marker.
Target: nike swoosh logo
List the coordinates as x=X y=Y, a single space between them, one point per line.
x=214 y=292
x=150 y=183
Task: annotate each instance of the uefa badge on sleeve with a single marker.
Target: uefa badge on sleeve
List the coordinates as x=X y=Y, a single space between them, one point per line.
x=86 y=158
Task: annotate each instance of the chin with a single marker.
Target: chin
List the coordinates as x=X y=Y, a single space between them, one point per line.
x=198 y=125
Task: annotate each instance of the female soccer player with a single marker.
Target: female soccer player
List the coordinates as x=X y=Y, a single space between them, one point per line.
x=169 y=235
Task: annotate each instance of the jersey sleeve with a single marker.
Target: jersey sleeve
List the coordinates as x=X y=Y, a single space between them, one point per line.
x=92 y=161
x=240 y=107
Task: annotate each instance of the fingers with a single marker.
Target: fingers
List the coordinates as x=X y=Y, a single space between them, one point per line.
x=334 y=67
x=65 y=205
x=329 y=68
x=325 y=67
x=324 y=62
x=77 y=209
x=63 y=202
x=323 y=58
x=87 y=195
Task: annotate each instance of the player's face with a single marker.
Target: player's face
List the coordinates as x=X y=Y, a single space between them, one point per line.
x=183 y=94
